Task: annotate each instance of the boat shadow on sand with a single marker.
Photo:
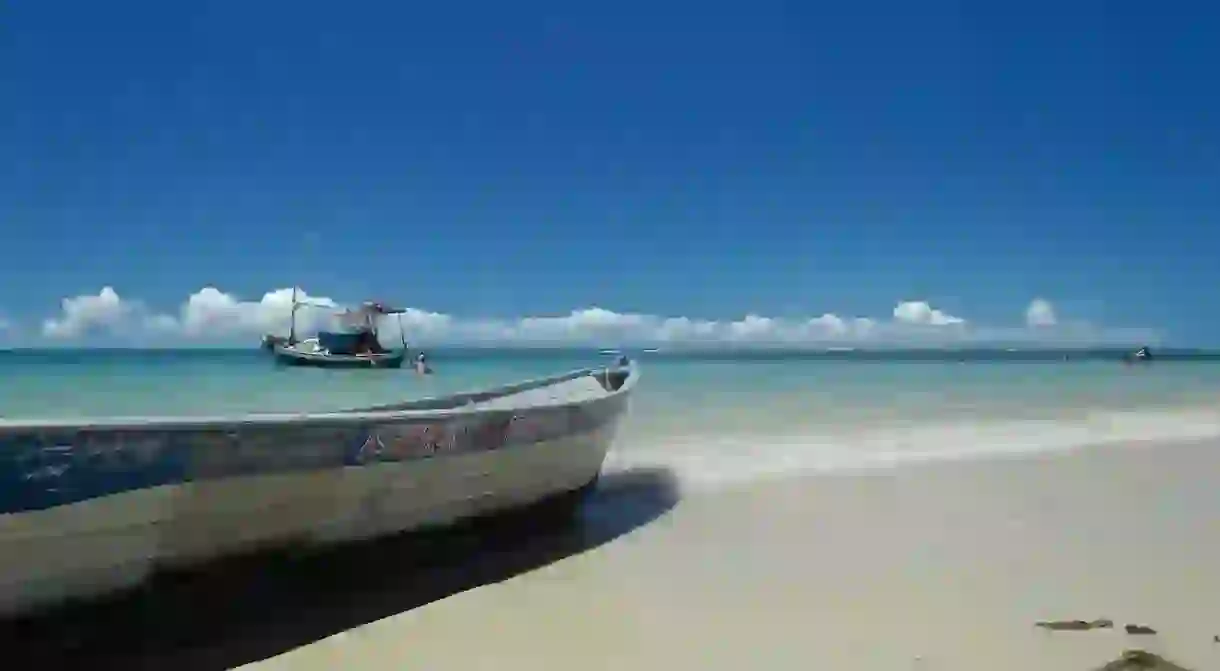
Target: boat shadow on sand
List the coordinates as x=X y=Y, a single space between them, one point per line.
x=237 y=611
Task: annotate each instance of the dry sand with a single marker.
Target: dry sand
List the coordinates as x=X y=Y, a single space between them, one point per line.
x=939 y=566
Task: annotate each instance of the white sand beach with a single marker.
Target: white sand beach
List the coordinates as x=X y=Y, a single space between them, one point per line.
x=937 y=566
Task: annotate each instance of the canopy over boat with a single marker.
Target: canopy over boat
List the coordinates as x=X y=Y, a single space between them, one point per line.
x=365 y=316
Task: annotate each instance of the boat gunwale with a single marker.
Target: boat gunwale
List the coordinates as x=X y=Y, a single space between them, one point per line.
x=457 y=404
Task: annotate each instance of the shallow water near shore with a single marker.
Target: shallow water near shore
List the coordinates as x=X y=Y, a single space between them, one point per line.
x=713 y=418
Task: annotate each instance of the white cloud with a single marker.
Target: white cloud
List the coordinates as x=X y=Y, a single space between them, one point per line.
x=1040 y=314
x=591 y=322
x=207 y=313
x=678 y=329
x=754 y=327
x=921 y=314
x=81 y=315
x=863 y=326
x=828 y=325
x=211 y=312
x=212 y=316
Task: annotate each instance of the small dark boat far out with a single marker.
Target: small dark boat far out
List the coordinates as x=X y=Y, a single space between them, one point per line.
x=1142 y=355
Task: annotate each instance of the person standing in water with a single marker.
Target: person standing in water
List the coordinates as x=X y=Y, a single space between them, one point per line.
x=421 y=364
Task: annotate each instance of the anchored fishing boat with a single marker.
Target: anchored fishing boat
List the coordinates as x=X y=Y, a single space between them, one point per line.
x=89 y=507
x=357 y=346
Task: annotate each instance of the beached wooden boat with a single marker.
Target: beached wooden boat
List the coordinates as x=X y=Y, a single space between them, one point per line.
x=88 y=507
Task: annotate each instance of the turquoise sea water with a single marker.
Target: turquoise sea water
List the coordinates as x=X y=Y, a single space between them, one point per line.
x=61 y=383
x=689 y=410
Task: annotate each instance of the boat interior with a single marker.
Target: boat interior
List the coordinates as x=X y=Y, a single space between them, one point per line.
x=574 y=387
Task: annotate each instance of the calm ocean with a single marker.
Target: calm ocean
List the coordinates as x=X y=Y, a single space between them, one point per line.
x=712 y=417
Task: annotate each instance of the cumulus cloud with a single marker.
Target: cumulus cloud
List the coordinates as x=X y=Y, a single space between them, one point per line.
x=212 y=315
x=1040 y=314
x=922 y=314
x=211 y=312
x=81 y=315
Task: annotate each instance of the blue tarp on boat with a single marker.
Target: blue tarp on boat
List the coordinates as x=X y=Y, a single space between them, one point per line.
x=340 y=342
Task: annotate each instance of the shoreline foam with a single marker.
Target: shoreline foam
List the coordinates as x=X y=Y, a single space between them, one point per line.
x=737 y=460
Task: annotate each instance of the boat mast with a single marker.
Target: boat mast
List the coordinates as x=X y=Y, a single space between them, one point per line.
x=292 y=329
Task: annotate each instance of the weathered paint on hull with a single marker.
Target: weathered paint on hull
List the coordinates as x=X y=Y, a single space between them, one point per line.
x=227 y=492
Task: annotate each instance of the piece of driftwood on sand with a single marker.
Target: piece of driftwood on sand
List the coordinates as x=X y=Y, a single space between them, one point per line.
x=1075 y=625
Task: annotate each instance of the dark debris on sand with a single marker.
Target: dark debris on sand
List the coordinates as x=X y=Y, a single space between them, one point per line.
x=1089 y=625
x=1141 y=660
x=1130 y=660
x=1075 y=625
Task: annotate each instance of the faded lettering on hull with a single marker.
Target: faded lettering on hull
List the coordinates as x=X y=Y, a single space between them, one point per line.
x=420 y=440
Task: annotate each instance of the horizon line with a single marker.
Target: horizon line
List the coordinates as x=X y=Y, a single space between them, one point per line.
x=684 y=349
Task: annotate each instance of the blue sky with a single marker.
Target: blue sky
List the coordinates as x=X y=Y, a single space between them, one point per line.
x=698 y=159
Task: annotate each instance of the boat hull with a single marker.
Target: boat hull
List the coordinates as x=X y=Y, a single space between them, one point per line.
x=292 y=357
x=88 y=510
